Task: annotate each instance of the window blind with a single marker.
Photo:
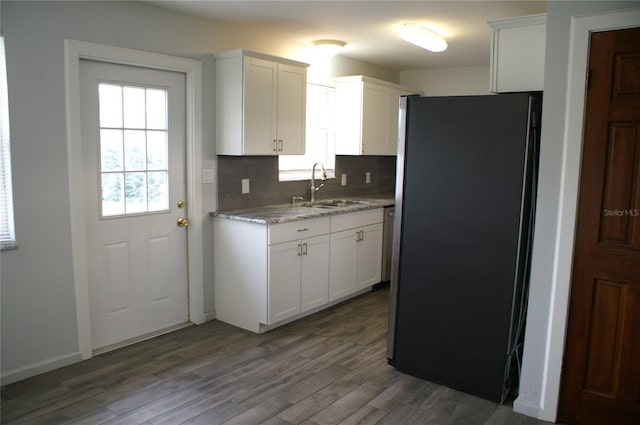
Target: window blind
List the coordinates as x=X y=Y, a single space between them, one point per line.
x=7 y=228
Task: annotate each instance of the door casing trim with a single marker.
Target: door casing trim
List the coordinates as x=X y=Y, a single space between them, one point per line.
x=582 y=26
x=192 y=68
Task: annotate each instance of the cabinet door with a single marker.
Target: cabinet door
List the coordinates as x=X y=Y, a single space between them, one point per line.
x=375 y=120
x=514 y=68
x=369 y=256
x=260 y=107
x=292 y=89
x=314 y=278
x=284 y=280
x=349 y=118
x=342 y=268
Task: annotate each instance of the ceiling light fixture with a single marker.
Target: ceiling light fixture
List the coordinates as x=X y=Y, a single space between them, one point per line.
x=327 y=48
x=417 y=34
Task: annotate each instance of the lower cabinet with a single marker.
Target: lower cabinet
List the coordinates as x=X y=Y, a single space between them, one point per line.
x=298 y=277
x=266 y=275
x=369 y=256
x=314 y=273
x=356 y=259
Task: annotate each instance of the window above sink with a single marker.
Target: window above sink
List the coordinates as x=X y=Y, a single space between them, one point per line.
x=320 y=137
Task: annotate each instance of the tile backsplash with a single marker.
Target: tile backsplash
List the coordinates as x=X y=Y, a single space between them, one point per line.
x=265 y=189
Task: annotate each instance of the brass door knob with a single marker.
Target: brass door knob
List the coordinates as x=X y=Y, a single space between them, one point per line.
x=183 y=222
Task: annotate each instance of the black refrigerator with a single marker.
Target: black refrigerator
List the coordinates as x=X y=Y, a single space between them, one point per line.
x=465 y=201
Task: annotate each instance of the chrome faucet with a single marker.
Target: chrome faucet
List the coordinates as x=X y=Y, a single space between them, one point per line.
x=314 y=189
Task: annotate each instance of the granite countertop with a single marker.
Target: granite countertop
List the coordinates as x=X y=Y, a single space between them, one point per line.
x=274 y=214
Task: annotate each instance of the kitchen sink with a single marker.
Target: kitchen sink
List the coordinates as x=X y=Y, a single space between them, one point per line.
x=333 y=203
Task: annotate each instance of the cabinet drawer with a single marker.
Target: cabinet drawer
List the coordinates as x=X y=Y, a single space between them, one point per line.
x=357 y=219
x=298 y=230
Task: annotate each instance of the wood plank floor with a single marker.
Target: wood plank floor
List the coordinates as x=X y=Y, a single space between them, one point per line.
x=329 y=368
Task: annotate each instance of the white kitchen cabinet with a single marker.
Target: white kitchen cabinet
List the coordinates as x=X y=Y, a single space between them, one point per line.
x=260 y=104
x=367 y=116
x=298 y=277
x=369 y=256
x=284 y=281
x=314 y=273
x=265 y=274
x=268 y=275
x=356 y=252
x=240 y=270
x=517 y=54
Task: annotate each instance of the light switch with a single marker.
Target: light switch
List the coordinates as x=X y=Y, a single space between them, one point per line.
x=344 y=180
x=208 y=176
x=245 y=186
x=367 y=178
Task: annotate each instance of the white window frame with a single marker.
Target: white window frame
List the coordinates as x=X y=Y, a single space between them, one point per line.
x=123 y=171
x=298 y=167
x=7 y=224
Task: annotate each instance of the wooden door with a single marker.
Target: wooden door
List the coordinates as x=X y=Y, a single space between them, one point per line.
x=601 y=367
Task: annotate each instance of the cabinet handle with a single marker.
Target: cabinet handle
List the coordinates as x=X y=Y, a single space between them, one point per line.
x=275 y=145
x=304 y=248
x=299 y=249
x=359 y=236
x=303 y=230
x=280 y=142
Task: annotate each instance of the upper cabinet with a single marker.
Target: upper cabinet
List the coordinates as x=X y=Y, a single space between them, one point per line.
x=367 y=116
x=517 y=54
x=260 y=104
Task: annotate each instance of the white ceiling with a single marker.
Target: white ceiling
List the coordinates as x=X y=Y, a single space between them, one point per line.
x=368 y=27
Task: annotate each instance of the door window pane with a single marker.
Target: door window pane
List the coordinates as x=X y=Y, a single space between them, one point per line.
x=134 y=150
x=134 y=107
x=157 y=150
x=156 y=109
x=157 y=191
x=112 y=194
x=134 y=153
x=111 y=150
x=110 y=105
x=135 y=193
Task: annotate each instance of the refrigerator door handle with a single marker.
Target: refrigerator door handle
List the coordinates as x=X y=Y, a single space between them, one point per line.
x=397 y=229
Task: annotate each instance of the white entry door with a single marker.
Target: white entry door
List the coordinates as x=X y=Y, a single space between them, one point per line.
x=133 y=145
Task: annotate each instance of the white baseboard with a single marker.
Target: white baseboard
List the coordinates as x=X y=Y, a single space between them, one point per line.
x=18 y=374
x=526 y=407
x=209 y=315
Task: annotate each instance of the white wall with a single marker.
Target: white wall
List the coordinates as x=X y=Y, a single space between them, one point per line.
x=462 y=81
x=38 y=317
x=544 y=339
x=323 y=73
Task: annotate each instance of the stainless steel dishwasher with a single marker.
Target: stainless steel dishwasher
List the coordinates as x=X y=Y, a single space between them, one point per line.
x=387 y=242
